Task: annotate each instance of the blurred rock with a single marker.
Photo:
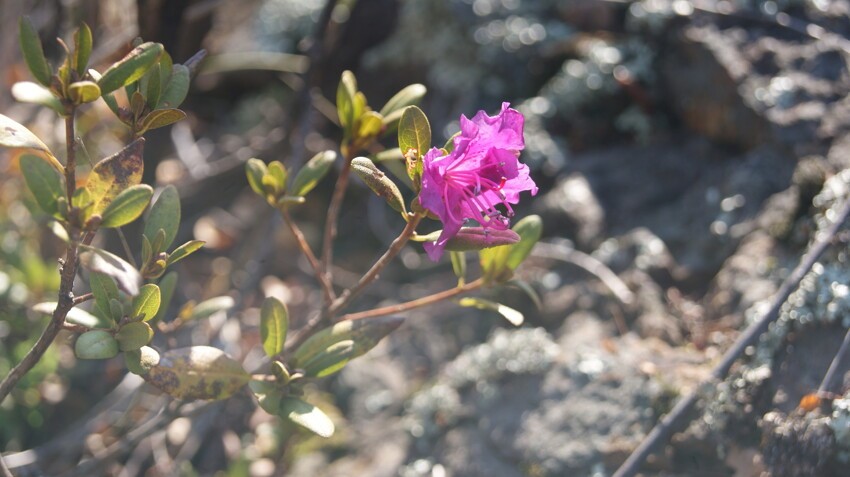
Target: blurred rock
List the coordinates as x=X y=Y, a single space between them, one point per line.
x=572 y=206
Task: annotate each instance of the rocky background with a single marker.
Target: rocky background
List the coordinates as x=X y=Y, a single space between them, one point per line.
x=687 y=152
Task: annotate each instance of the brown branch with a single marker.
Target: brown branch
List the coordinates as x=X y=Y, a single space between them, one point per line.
x=83 y=298
x=71 y=159
x=66 y=285
x=395 y=247
x=333 y=217
x=417 y=303
x=672 y=421
x=826 y=384
x=327 y=288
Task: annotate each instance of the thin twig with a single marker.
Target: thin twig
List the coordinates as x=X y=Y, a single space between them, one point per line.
x=417 y=303
x=395 y=247
x=826 y=384
x=327 y=288
x=588 y=263
x=68 y=271
x=83 y=298
x=333 y=217
x=664 y=430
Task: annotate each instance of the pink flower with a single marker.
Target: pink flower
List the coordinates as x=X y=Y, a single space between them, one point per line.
x=481 y=172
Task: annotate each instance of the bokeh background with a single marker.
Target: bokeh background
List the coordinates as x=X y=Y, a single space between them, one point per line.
x=686 y=152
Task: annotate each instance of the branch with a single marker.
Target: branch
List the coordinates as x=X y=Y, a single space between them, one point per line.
x=66 y=284
x=671 y=422
x=68 y=272
x=327 y=288
x=417 y=303
x=333 y=216
x=370 y=276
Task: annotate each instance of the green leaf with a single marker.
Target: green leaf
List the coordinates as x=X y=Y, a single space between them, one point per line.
x=109 y=99
x=330 y=360
x=370 y=125
x=459 y=266
x=152 y=85
x=134 y=335
x=95 y=344
x=104 y=290
x=127 y=206
x=255 y=170
x=300 y=412
x=82 y=48
x=408 y=96
x=513 y=316
x=113 y=175
x=15 y=135
x=165 y=215
x=274 y=322
x=494 y=264
x=76 y=316
x=449 y=146
x=146 y=303
x=380 y=184
x=278 y=174
x=167 y=286
x=207 y=308
x=392 y=111
x=529 y=229
x=345 y=93
x=312 y=172
x=177 y=88
x=141 y=361
x=33 y=52
x=184 y=251
x=365 y=333
x=44 y=182
x=131 y=67
x=161 y=118
x=97 y=260
x=30 y=92
x=414 y=131
x=197 y=372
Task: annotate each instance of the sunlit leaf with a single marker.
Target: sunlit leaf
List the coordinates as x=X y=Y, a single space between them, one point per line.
x=414 y=131
x=164 y=215
x=82 y=92
x=197 y=372
x=15 y=135
x=31 y=92
x=125 y=275
x=167 y=287
x=104 y=289
x=76 y=316
x=184 y=251
x=330 y=360
x=146 y=303
x=140 y=361
x=82 y=48
x=44 y=182
x=127 y=206
x=300 y=412
x=529 y=229
x=313 y=171
x=161 y=118
x=513 y=316
x=95 y=344
x=113 y=175
x=134 y=335
x=33 y=52
x=131 y=67
x=365 y=333
x=274 y=323
x=207 y=308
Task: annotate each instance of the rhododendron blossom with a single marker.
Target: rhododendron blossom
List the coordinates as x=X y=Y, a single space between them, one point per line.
x=480 y=173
